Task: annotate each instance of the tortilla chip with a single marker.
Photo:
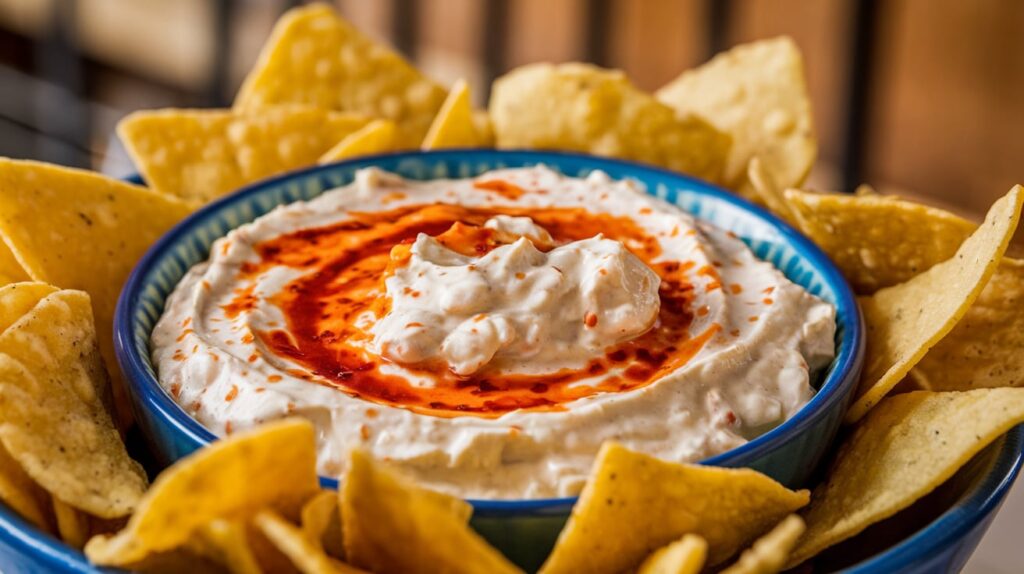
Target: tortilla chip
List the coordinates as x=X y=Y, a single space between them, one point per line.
x=72 y=524
x=756 y=93
x=270 y=467
x=864 y=190
x=390 y=525
x=53 y=417
x=986 y=348
x=905 y=321
x=321 y=522
x=307 y=555
x=17 y=299
x=633 y=504
x=375 y=137
x=314 y=57
x=10 y=270
x=19 y=492
x=455 y=125
x=199 y=155
x=878 y=241
x=579 y=107
x=765 y=191
x=226 y=542
x=769 y=554
x=80 y=230
x=903 y=449
x=684 y=556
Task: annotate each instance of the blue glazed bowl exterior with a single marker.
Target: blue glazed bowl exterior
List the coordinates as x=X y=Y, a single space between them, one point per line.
x=525 y=530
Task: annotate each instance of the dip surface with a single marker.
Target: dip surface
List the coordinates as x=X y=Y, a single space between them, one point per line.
x=488 y=334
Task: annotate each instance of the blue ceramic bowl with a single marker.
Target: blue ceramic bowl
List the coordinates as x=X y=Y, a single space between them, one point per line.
x=525 y=530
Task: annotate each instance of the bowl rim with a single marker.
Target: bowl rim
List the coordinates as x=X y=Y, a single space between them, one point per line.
x=833 y=393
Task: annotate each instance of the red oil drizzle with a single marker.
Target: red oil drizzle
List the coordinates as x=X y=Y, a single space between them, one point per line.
x=346 y=262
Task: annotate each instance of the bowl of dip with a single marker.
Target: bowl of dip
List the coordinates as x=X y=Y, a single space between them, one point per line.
x=486 y=319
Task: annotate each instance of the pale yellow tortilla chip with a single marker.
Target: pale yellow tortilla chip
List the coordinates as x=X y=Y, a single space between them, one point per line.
x=226 y=542
x=77 y=229
x=53 y=419
x=756 y=93
x=455 y=125
x=765 y=191
x=16 y=299
x=684 y=556
x=579 y=107
x=904 y=321
x=878 y=241
x=392 y=525
x=270 y=467
x=770 y=552
x=633 y=504
x=321 y=522
x=314 y=57
x=375 y=137
x=986 y=348
x=19 y=492
x=307 y=555
x=199 y=155
x=902 y=450
x=72 y=524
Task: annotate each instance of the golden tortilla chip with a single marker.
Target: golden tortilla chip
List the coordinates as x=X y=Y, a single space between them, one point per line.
x=579 y=107
x=270 y=467
x=864 y=190
x=878 y=241
x=314 y=57
x=633 y=504
x=684 y=556
x=307 y=555
x=17 y=299
x=765 y=191
x=390 y=525
x=72 y=524
x=321 y=522
x=80 y=230
x=375 y=137
x=905 y=321
x=455 y=125
x=902 y=450
x=756 y=93
x=770 y=552
x=53 y=417
x=10 y=270
x=199 y=155
x=19 y=492
x=986 y=348
x=226 y=542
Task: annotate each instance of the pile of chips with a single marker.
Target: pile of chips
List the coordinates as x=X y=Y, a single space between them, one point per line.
x=943 y=304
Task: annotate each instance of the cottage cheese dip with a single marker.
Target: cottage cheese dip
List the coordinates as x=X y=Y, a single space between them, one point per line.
x=489 y=334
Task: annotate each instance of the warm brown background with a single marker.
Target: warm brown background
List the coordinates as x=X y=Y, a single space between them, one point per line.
x=944 y=102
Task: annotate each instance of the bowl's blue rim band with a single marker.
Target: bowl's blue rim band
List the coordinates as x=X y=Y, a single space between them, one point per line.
x=849 y=359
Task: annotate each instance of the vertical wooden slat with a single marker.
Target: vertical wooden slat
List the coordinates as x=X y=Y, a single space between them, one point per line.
x=217 y=85
x=719 y=18
x=598 y=33
x=61 y=116
x=404 y=27
x=864 y=23
x=495 y=47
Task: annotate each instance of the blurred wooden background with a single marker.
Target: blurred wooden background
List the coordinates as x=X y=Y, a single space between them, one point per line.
x=925 y=97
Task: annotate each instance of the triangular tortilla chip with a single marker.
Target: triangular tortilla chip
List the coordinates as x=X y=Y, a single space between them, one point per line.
x=392 y=525
x=53 y=419
x=765 y=191
x=80 y=230
x=321 y=521
x=227 y=542
x=770 y=552
x=22 y=494
x=72 y=524
x=684 y=556
x=375 y=137
x=455 y=125
x=579 y=107
x=199 y=155
x=877 y=241
x=633 y=504
x=986 y=348
x=314 y=57
x=307 y=555
x=756 y=93
x=905 y=321
x=905 y=448
x=17 y=299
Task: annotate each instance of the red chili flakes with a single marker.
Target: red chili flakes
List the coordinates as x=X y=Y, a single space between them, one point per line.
x=184 y=334
x=231 y=394
x=703 y=310
x=206 y=285
x=227 y=427
x=730 y=418
x=194 y=407
x=274 y=378
x=186 y=322
x=195 y=349
x=252 y=358
x=691 y=232
x=768 y=290
x=364 y=431
x=178 y=355
x=247 y=338
x=645 y=211
x=503 y=188
x=372 y=413
x=224 y=247
x=291 y=408
x=413 y=325
x=215 y=357
x=753 y=318
x=514 y=430
x=176 y=390
x=602 y=271
x=768 y=300
x=675 y=232
x=393 y=196
x=259 y=390
x=590 y=320
x=735 y=288
x=520 y=275
x=735 y=332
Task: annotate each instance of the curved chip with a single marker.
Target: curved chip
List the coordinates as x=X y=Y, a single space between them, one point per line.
x=756 y=93
x=455 y=125
x=22 y=494
x=375 y=137
x=877 y=241
x=633 y=504
x=770 y=552
x=684 y=556
x=321 y=522
x=579 y=107
x=270 y=467
x=226 y=542
x=314 y=57
x=765 y=191
x=72 y=524
x=307 y=555
x=902 y=450
x=905 y=321
x=10 y=270
x=17 y=299
x=199 y=155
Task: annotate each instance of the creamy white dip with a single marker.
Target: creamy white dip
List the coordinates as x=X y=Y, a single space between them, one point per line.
x=535 y=311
